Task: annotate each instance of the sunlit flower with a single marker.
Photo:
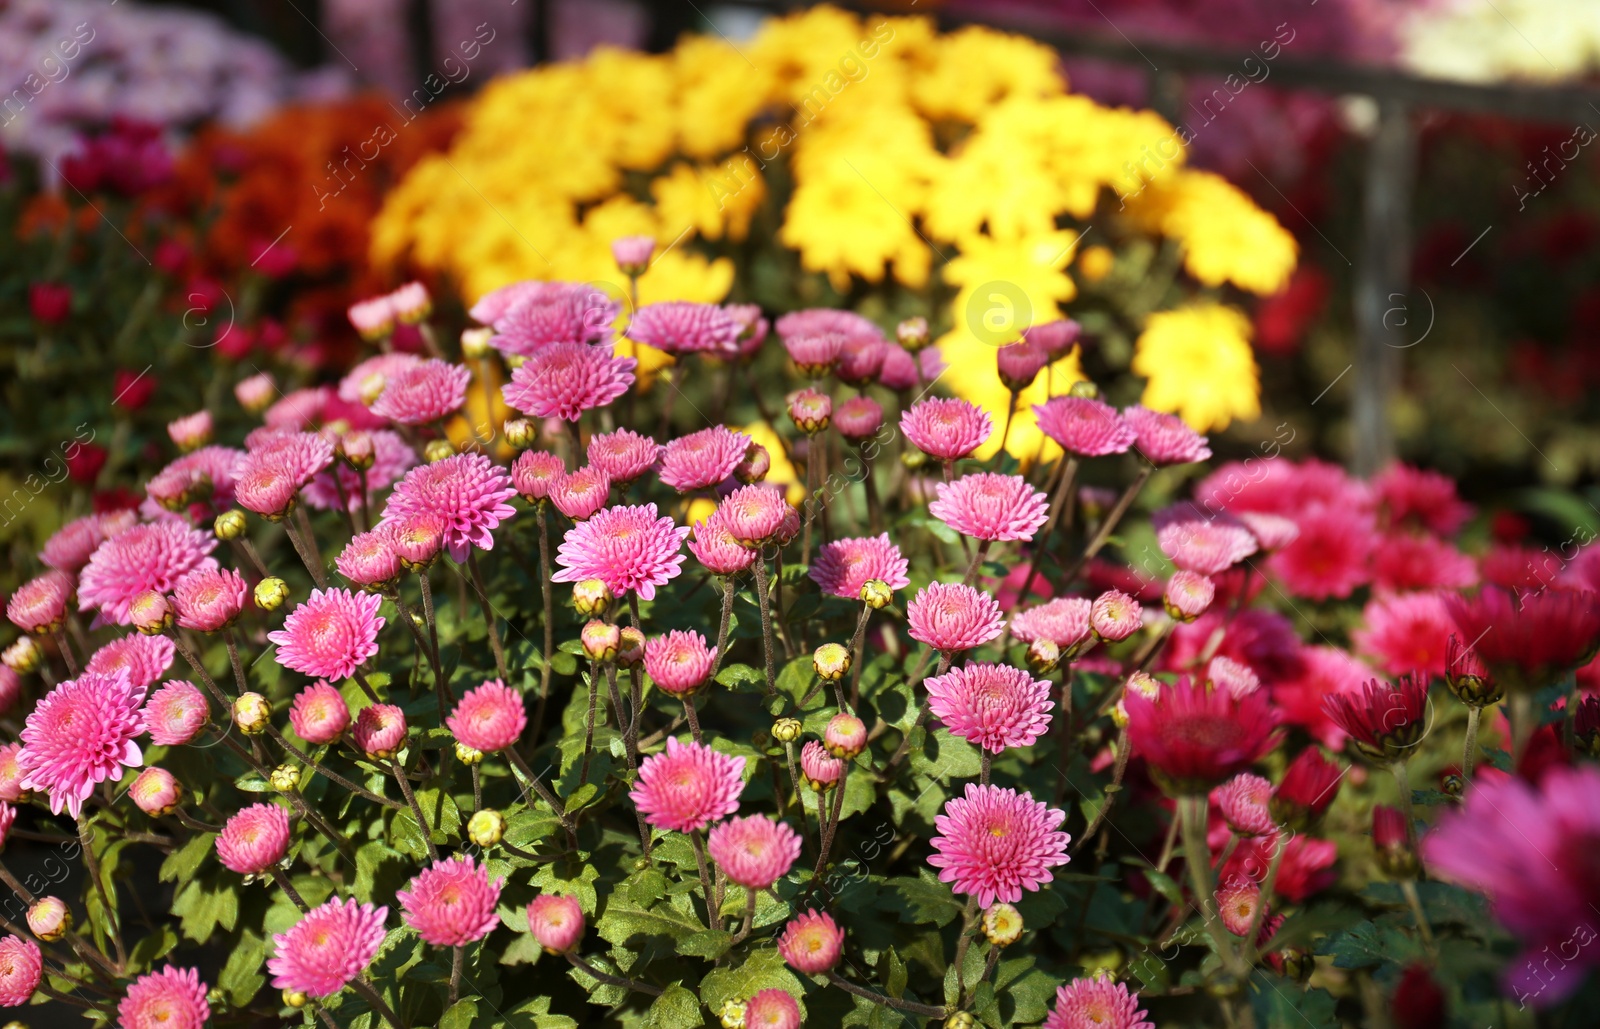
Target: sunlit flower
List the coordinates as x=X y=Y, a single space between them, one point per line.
x=688 y=786
x=79 y=735
x=326 y=949
x=630 y=549
x=994 y=843
x=331 y=634
x=451 y=902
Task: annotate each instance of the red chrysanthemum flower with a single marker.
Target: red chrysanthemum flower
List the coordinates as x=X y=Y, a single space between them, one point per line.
x=1406 y=632
x=1386 y=720
x=1308 y=787
x=1096 y=1003
x=953 y=617
x=1084 y=426
x=1424 y=498
x=627 y=548
x=685 y=327
x=946 y=429
x=489 y=718
x=330 y=946
x=994 y=843
x=623 y=455
x=451 y=903
x=176 y=713
x=1164 y=439
x=152 y=556
x=1528 y=639
x=1330 y=556
x=331 y=634
x=991 y=706
x=564 y=380
x=79 y=735
x=173 y=998
x=1412 y=562
x=467 y=490
x=208 y=599
x=843 y=566
x=688 y=786
x=424 y=392
x=143 y=658
x=1194 y=738
x=990 y=506
x=254 y=839
x=753 y=851
x=1323 y=671
x=702 y=459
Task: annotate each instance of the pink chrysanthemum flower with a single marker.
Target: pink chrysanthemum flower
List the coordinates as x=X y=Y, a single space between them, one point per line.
x=70 y=547
x=1063 y=621
x=1243 y=801
x=155 y=791
x=1406 y=632
x=255 y=392
x=330 y=946
x=990 y=506
x=753 y=851
x=1164 y=439
x=319 y=713
x=1272 y=532
x=752 y=327
x=564 y=380
x=451 y=903
x=861 y=360
x=623 y=455
x=811 y=943
x=418 y=536
x=176 y=713
x=40 y=605
x=1196 y=543
x=953 y=617
x=843 y=566
x=632 y=253
x=255 y=839
x=814 y=354
x=267 y=484
x=21 y=968
x=173 y=998
x=392 y=457
x=531 y=316
x=380 y=730
x=685 y=327
x=370 y=558
x=1410 y=562
x=1236 y=677
x=79 y=735
x=994 y=843
x=1427 y=499
x=858 y=418
x=10 y=688
x=1115 y=616
x=715 y=548
x=991 y=706
x=1237 y=902
x=772 y=1009
x=373 y=318
x=688 y=786
x=679 y=662
x=152 y=556
x=1329 y=557
x=331 y=634
x=1018 y=364
x=425 y=392
x=1056 y=337
x=946 y=429
x=627 y=548
x=365 y=383
x=582 y=493
x=1084 y=426
x=556 y=921
x=489 y=718
x=1096 y=1003
x=702 y=459
x=11 y=774
x=900 y=371
x=819 y=766
x=208 y=599
x=143 y=658
x=813 y=320
x=534 y=472
x=756 y=514
x=1188 y=594
x=305 y=453
x=467 y=490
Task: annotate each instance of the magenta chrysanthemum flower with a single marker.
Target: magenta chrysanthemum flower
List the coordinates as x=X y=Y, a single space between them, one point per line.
x=380 y=730
x=991 y=706
x=370 y=558
x=21 y=968
x=556 y=921
x=814 y=320
x=152 y=556
x=623 y=455
x=953 y=617
x=70 y=547
x=424 y=392
x=994 y=843
x=772 y=1009
x=534 y=472
x=946 y=429
x=530 y=316
x=756 y=514
x=715 y=548
x=79 y=735
x=319 y=713
x=753 y=851
x=861 y=360
x=1201 y=544
x=989 y=506
x=489 y=718
x=145 y=659
x=451 y=903
x=1063 y=621
x=1020 y=363
x=208 y=599
x=858 y=418
x=331 y=634
x=173 y=998
x=255 y=839
x=688 y=786
x=176 y=713
x=1164 y=439
x=811 y=943
x=582 y=493
x=702 y=459
x=1406 y=632
x=1242 y=801
x=1096 y=1003
x=627 y=548
x=679 y=662
x=1194 y=738
x=467 y=490
x=564 y=380
x=392 y=457
x=685 y=327
x=330 y=946
x=40 y=605
x=843 y=566
x=1084 y=426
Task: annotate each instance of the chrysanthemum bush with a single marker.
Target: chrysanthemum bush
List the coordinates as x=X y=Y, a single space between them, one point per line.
x=612 y=714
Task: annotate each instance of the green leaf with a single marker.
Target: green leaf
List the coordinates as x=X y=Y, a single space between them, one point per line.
x=945 y=756
x=204 y=906
x=708 y=943
x=460 y=1015
x=738 y=677
x=921 y=901
x=1283 y=1004
x=152 y=948
x=537 y=1011
x=623 y=920
x=892 y=973
x=181 y=865
x=253 y=782
x=762 y=970
x=796 y=678
x=241 y=977
x=1021 y=982
x=1367 y=944
x=676 y=1008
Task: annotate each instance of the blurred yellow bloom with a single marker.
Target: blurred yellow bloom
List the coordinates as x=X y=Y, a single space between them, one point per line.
x=1225 y=236
x=1198 y=365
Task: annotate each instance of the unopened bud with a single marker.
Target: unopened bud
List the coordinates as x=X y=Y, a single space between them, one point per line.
x=591 y=597
x=475 y=342
x=912 y=333
x=731 y=1014
x=230 y=525
x=49 y=919
x=23 y=656
x=486 y=827
x=521 y=433
x=960 y=1020
x=1002 y=924
x=786 y=730
x=876 y=594
x=810 y=411
x=601 y=640
x=358 y=450
x=831 y=661
x=156 y=791
x=1453 y=784
x=294 y=998
x=630 y=651
x=1043 y=656
x=286 y=778
x=271 y=592
x=437 y=450
x=913 y=459
x=150 y=613
x=468 y=755
x=1085 y=389
x=845 y=736
x=252 y=713
x=754 y=466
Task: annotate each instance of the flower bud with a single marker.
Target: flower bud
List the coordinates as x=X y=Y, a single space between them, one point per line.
x=1188 y=595
x=271 y=592
x=822 y=771
x=556 y=921
x=913 y=459
x=1085 y=389
x=486 y=827
x=630 y=651
x=23 y=656
x=252 y=714
x=358 y=450
x=1467 y=677
x=256 y=393
x=294 y=999
x=961 y=1020
x=437 y=450
x=810 y=411
x=754 y=466
x=600 y=640
x=845 y=736
x=912 y=333
x=632 y=254
x=49 y=919
x=156 y=791
x=411 y=303
x=1043 y=656
x=591 y=597
x=786 y=730
x=1002 y=924
x=467 y=755
x=876 y=594
x=475 y=343
x=1395 y=855
x=521 y=433
x=230 y=525
x=150 y=613
x=285 y=778
x=1453 y=784
x=1141 y=683
x=731 y=1014
x=831 y=661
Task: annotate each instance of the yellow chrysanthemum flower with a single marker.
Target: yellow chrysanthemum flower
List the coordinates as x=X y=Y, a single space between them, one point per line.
x=1197 y=364
x=1225 y=236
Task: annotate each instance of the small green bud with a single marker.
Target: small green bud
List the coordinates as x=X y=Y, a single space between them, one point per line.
x=486 y=827
x=252 y=714
x=521 y=433
x=913 y=333
x=23 y=656
x=876 y=594
x=286 y=778
x=1085 y=389
x=786 y=730
x=230 y=525
x=271 y=592
x=591 y=597
x=467 y=755
x=731 y=1014
x=437 y=450
x=475 y=342
x=294 y=999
